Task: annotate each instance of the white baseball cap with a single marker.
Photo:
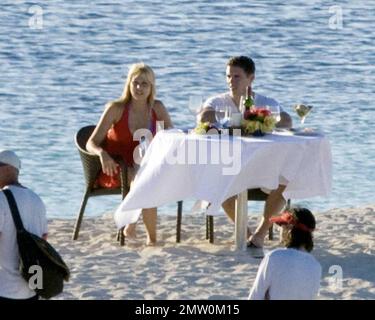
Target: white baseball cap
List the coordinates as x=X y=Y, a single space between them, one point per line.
x=10 y=158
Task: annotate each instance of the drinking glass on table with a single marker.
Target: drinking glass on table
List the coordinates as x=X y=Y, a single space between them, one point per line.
x=223 y=114
x=302 y=111
x=235 y=119
x=228 y=115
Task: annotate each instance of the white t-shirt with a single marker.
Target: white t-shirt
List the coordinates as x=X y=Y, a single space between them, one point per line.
x=287 y=274
x=225 y=99
x=33 y=215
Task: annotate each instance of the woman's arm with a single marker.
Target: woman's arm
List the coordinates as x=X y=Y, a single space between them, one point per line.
x=109 y=117
x=162 y=114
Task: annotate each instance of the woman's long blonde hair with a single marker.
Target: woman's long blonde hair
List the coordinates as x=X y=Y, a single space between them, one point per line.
x=135 y=70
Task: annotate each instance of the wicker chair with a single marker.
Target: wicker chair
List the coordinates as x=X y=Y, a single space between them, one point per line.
x=91 y=168
x=252 y=195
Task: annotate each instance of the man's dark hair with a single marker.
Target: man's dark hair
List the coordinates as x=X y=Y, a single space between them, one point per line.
x=300 y=238
x=243 y=62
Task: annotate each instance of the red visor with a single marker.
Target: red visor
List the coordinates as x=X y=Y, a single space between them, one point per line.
x=286 y=218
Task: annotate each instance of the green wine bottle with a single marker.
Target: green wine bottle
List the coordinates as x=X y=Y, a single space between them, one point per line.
x=249 y=102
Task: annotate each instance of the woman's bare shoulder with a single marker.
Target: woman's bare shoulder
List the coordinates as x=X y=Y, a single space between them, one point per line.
x=114 y=109
x=162 y=114
x=114 y=105
x=158 y=105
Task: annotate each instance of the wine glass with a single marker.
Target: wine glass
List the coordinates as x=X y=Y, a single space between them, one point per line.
x=275 y=112
x=302 y=111
x=223 y=114
x=228 y=115
x=195 y=104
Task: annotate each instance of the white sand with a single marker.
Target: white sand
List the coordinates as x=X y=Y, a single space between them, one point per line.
x=195 y=269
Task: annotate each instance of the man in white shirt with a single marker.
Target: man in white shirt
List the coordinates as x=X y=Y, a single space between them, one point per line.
x=33 y=215
x=291 y=273
x=240 y=73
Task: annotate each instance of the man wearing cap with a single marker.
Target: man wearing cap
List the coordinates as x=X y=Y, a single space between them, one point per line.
x=291 y=273
x=33 y=215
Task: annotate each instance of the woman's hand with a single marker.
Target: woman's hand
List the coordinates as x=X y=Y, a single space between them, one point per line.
x=109 y=166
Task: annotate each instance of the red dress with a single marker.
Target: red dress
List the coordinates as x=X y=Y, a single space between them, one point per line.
x=119 y=142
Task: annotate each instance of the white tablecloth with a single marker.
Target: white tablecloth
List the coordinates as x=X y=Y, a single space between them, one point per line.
x=176 y=166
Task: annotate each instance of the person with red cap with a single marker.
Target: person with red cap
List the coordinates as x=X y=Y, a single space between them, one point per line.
x=290 y=273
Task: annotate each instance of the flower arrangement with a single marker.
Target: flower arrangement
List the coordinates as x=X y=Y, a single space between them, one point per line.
x=258 y=121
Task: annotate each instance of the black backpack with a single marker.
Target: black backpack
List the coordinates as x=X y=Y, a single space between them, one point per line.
x=35 y=251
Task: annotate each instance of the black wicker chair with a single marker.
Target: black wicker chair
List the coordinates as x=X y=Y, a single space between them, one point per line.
x=91 y=168
x=252 y=195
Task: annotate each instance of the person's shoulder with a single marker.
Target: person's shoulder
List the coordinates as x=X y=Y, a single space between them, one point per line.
x=302 y=255
x=22 y=193
x=159 y=108
x=216 y=99
x=285 y=253
x=158 y=105
x=33 y=195
x=308 y=260
x=221 y=96
x=277 y=252
x=262 y=99
x=313 y=260
x=113 y=106
x=113 y=110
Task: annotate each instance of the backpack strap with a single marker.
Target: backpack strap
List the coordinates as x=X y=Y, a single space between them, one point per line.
x=14 y=210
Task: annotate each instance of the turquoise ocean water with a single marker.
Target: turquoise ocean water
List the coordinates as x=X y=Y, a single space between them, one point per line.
x=61 y=61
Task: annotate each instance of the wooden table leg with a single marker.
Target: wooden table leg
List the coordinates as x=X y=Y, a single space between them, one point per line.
x=240 y=230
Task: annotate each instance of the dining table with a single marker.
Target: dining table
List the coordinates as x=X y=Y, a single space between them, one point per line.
x=214 y=167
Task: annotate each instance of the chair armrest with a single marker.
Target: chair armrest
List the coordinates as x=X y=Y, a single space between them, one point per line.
x=91 y=166
x=123 y=176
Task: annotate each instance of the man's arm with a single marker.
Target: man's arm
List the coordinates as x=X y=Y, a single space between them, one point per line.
x=207 y=115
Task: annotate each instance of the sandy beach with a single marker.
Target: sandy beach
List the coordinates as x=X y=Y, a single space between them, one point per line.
x=196 y=269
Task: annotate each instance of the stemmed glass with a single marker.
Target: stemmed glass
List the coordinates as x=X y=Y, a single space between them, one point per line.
x=223 y=115
x=228 y=115
x=195 y=104
x=302 y=111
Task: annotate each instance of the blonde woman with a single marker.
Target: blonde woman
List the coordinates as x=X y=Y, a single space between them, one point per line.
x=136 y=109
